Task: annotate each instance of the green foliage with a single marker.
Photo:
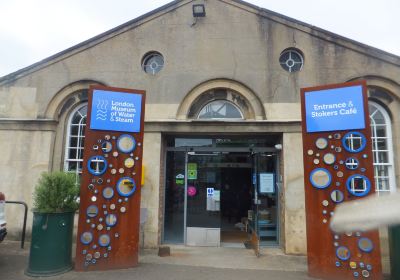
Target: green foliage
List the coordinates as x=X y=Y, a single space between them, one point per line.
x=56 y=192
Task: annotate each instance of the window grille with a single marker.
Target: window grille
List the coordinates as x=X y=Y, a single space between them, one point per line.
x=75 y=140
x=382 y=148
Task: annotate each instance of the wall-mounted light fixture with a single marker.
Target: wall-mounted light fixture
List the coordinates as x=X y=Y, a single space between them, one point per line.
x=199 y=10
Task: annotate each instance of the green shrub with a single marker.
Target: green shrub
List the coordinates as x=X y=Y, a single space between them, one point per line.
x=56 y=192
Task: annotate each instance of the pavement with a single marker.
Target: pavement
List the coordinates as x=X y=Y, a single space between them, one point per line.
x=184 y=263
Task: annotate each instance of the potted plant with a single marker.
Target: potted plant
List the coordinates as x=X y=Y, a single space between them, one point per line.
x=55 y=202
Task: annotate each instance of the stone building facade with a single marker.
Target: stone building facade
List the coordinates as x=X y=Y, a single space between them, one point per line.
x=246 y=57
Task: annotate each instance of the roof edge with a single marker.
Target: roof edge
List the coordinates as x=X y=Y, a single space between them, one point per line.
x=323 y=33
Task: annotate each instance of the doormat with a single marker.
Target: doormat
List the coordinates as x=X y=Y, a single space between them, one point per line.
x=248 y=244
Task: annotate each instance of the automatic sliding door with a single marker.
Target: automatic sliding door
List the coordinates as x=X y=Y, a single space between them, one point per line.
x=203 y=199
x=174 y=197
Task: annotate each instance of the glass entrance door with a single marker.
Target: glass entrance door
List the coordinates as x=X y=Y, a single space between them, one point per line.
x=204 y=180
x=264 y=223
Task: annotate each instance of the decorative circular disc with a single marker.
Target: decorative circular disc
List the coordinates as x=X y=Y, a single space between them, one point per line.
x=354 y=141
x=320 y=178
x=126 y=143
x=338 y=149
x=316 y=161
x=365 y=273
x=337 y=196
x=339 y=174
x=321 y=143
x=108 y=192
x=106 y=146
x=97 y=255
x=329 y=158
x=325 y=203
x=92 y=211
x=126 y=186
x=97 y=165
x=89 y=257
x=121 y=170
x=104 y=240
x=358 y=185
x=111 y=220
x=123 y=209
x=365 y=245
x=86 y=237
x=351 y=163
x=343 y=253
x=93 y=198
x=129 y=162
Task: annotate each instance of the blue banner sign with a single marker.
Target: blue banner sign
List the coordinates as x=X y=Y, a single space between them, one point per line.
x=335 y=109
x=116 y=111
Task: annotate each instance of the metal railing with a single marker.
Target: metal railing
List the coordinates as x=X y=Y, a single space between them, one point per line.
x=25 y=217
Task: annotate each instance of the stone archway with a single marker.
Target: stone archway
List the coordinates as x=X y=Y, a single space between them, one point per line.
x=248 y=102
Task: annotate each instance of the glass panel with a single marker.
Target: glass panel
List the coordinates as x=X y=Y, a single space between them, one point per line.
x=266 y=207
x=380 y=131
x=204 y=183
x=174 y=197
x=220 y=109
x=380 y=143
x=192 y=142
x=240 y=142
x=383 y=157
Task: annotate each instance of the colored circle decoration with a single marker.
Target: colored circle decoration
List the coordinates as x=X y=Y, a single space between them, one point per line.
x=126 y=186
x=191 y=190
x=354 y=141
x=321 y=143
x=358 y=185
x=104 y=240
x=97 y=165
x=365 y=244
x=351 y=163
x=126 y=143
x=108 y=192
x=111 y=220
x=86 y=237
x=129 y=162
x=320 y=178
x=329 y=158
x=337 y=196
x=92 y=211
x=106 y=146
x=343 y=253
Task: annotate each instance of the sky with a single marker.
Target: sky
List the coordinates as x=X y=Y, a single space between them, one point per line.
x=33 y=30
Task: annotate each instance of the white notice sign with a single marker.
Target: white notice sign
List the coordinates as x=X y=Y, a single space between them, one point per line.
x=267 y=183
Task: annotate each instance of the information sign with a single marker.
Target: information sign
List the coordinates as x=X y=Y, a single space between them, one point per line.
x=334 y=109
x=116 y=111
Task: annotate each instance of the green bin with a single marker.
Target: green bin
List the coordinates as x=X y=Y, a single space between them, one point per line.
x=394 y=244
x=51 y=245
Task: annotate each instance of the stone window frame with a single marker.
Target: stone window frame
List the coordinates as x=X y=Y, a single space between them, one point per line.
x=379 y=166
x=79 y=147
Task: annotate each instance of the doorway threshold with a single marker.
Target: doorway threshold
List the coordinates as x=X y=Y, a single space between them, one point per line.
x=232 y=245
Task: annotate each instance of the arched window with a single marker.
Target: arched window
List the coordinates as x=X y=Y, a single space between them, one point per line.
x=75 y=140
x=220 y=109
x=382 y=148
